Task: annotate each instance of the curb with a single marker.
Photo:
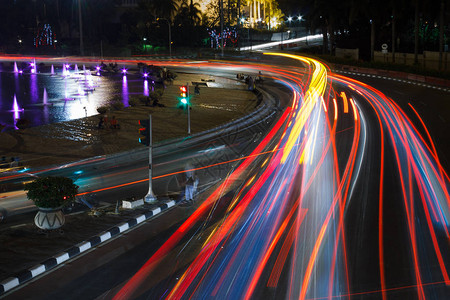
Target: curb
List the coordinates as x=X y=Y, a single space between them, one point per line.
x=164 y=57
x=82 y=247
x=422 y=83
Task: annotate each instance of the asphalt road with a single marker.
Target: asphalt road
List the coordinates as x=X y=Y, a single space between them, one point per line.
x=344 y=195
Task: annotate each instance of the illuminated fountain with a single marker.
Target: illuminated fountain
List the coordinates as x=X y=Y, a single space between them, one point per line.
x=76 y=68
x=89 y=86
x=66 y=93
x=80 y=91
x=16 y=70
x=33 y=67
x=65 y=70
x=16 y=110
x=146 y=91
x=52 y=70
x=45 y=98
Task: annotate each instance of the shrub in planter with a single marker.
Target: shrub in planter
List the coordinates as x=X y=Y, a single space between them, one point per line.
x=51 y=191
x=50 y=194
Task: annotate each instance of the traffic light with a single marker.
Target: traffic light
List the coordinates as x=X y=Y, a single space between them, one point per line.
x=184 y=97
x=144 y=130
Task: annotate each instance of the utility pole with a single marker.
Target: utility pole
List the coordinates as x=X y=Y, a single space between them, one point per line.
x=81 y=28
x=150 y=197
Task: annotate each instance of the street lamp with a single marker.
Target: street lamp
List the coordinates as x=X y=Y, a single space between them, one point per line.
x=170 y=37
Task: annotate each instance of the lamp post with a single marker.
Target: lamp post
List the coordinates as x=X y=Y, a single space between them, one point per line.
x=170 y=37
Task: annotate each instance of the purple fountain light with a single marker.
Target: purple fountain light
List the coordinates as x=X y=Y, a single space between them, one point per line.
x=45 y=97
x=33 y=67
x=16 y=109
x=146 y=91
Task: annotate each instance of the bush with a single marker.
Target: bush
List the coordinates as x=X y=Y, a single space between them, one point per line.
x=156 y=95
x=117 y=105
x=134 y=101
x=102 y=109
x=51 y=191
x=171 y=75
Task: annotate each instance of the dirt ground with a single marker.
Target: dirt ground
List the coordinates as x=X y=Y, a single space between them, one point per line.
x=78 y=139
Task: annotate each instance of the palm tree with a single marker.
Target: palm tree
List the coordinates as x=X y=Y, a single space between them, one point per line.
x=195 y=14
x=166 y=8
x=161 y=8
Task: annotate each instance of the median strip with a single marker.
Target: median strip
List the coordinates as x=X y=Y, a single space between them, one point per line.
x=82 y=247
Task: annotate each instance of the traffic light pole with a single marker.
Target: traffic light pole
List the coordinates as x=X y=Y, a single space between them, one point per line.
x=150 y=197
x=189 y=109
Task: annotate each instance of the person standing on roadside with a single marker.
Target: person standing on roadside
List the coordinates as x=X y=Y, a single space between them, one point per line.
x=191 y=183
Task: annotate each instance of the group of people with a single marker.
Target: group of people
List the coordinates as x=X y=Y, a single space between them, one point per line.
x=104 y=122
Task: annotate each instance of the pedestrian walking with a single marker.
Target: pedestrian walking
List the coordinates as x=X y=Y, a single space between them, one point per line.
x=190 y=184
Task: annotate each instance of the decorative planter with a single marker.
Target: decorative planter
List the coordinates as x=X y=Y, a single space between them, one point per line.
x=49 y=218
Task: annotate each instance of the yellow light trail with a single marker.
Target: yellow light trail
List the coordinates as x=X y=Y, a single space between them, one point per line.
x=313 y=94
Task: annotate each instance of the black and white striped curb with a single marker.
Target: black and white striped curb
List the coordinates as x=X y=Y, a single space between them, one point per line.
x=165 y=57
x=395 y=79
x=60 y=258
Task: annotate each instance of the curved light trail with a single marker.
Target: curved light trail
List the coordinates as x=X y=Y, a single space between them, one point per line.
x=348 y=186
x=344 y=197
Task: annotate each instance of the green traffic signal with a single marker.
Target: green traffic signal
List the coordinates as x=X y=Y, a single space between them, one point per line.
x=184 y=98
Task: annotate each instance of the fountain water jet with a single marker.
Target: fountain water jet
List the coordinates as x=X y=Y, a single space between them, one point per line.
x=33 y=67
x=16 y=70
x=52 y=70
x=45 y=98
x=16 y=108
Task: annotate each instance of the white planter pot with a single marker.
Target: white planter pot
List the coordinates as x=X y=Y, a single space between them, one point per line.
x=49 y=218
